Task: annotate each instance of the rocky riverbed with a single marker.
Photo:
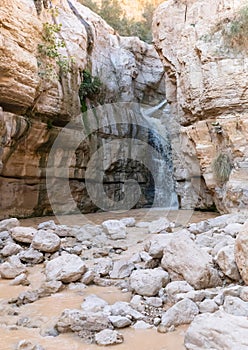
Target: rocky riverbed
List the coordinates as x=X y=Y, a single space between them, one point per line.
x=125 y=282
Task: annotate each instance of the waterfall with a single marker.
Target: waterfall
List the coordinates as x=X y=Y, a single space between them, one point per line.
x=159 y=139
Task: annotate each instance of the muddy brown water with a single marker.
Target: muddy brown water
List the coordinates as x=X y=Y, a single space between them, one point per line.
x=46 y=310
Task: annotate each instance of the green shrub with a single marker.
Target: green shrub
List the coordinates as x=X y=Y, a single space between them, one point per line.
x=90 y=88
x=49 y=58
x=222 y=167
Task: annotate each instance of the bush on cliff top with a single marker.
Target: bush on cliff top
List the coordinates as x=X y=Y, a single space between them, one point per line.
x=112 y=12
x=235 y=33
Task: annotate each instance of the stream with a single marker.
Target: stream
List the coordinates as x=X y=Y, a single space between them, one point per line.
x=44 y=312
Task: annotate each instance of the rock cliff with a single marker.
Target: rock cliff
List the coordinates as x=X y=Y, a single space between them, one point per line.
x=205 y=58
x=35 y=106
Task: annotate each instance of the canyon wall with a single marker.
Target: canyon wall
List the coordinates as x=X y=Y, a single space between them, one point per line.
x=206 y=86
x=36 y=108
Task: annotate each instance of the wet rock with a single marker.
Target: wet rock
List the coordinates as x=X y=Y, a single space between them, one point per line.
x=7 y=224
x=241 y=253
x=11 y=249
x=12 y=268
x=28 y=345
x=128 y=222
x=46 y=241
x=208 y=305
x=114 y=229
x=66 y=268
x=182 y=312
x=102 y=266
x=217 y=331
x=159 y=225
x=226 y=261
x=23 y=234
x=120 y=321
x=121 y=269
x=235 y=306
x=31 y=256
x=185 y=259
x=108 y=337
x=149 y=281
x=93 y=304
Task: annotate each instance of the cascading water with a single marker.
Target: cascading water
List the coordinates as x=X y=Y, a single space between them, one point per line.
x=165 y=194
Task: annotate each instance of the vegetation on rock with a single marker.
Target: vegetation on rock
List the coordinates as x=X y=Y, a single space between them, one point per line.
x=90 y=88
x=112 y=12
x=50 y=58
x=222 y=167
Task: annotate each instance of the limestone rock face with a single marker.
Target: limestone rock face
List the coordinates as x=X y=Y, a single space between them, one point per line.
x=36 y=109
x=205 y=85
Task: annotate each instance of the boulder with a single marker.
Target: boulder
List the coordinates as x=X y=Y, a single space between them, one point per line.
x=208 y=305
x=120 y=321
x=7 y=224
x=108 y=337
x=79 y=321
x=11 y=249
x=226 y=261
x=12 y=268
x=148 y=282
x=121 y=269
x=65 y=268
x=46 y=241
x=177 y=287
x=93 y=304
x=235 y=306
x=241 y=253
x=114 y=229
x=102 y=266
x=182 y=312
x=128 y=222
x=47 y=225
x=23 y=234
x=217 y=331
x=122 y=308
x=187 y=261
x=31 y=256
x=159 y=225
x=28 y=345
